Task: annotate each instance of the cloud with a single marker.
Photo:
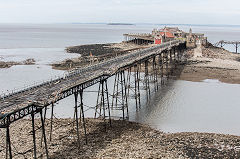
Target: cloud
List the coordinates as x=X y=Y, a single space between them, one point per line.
x=151 y=11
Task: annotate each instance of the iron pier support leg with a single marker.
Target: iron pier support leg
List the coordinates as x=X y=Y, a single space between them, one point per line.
x=103 y=103
x=8 y=143
x=83 y=118
x=108 y=105
x=236 y=48
x=97 y=105
x=44 y=118
x=119 y=97
x=76 y=115
x=132 y=85
x=156 y=73
x=178 y=54
x=155 y=79
x=161 y=61
x=51 y=126
x=153 y=75
x=128 y=81
x=34 y=136
x=122 y=90
x=6 y=154
x=43 y=133
x=175 y=59
x=147 y=79
x=171 y=62
x=116 y=89
x=138 y=84
x=125 y=92
x=167 y=67
x=103 y=100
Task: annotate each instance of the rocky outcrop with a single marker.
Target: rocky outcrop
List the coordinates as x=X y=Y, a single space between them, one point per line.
x=92 y=49
x=9 y=64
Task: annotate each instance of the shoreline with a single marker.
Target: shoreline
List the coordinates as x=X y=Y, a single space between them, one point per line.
x=199 y=74
x=123 y=140
x=94 y=53
x=133 y=140
x=213 y=62
x=9 y=64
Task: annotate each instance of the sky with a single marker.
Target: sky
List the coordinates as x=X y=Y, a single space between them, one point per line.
x=125 y=11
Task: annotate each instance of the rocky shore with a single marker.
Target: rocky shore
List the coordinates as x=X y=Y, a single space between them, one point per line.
x=200 y=63
x=128 y=139
x=211 y=63
x=94 y=53
x=11 y=63
x=123 y=140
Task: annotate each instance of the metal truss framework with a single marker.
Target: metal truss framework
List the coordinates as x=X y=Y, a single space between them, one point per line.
x=125 y=86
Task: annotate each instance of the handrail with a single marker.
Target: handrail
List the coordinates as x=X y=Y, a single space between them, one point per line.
x=77 y=71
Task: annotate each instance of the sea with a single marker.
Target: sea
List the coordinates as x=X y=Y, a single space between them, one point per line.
x=179 y=106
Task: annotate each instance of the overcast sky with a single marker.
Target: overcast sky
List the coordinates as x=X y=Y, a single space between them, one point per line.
x=130 y=11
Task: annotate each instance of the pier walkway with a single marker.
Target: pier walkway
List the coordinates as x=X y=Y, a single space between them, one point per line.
x=33 y=100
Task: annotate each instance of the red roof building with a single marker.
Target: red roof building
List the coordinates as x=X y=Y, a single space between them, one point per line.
x=167 y=34
x=162 y=35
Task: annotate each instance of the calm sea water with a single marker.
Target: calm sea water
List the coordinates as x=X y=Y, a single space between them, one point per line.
x=208 y=106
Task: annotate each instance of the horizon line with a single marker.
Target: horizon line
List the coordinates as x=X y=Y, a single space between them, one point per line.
x=138 y=23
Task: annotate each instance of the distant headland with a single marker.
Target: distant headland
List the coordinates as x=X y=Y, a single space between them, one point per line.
x=120 y=24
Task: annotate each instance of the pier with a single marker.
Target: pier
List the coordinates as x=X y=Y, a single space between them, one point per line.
x=138 y=38
x=222 y=43
x=156 y=63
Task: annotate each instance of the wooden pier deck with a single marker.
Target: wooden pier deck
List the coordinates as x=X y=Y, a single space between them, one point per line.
x=35 y=99
x=139 y=36
x=19 y=104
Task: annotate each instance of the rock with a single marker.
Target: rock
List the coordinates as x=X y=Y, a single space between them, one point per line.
x=123 y=140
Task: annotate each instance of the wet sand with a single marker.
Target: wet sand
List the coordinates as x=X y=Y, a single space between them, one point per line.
x=123 y=140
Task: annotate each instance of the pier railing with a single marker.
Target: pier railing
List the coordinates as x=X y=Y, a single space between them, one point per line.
x=85 y=69
x=221 y=43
